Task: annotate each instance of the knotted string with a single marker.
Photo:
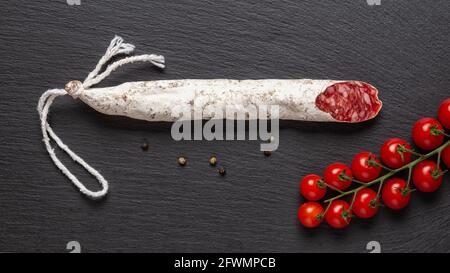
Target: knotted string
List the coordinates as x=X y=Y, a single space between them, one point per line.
x=117 y=46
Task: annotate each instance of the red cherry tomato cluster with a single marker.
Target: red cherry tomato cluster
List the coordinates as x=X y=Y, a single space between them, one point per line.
x=396 y=157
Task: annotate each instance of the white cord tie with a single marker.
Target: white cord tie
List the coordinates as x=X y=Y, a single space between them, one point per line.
x=75 y=89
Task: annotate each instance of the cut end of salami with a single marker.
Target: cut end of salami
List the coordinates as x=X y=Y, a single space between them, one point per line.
x=350 y=101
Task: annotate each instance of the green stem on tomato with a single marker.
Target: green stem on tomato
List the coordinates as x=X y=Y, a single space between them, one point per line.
x=414 y=152
x=409 y=176
x=374 y=163
x=434 y=131
x=344 y=176
x=439 y=159
x=333 y=188
x=325 y=211
x=358 y=182
x=353 y=201
x=379 y=189
x=386 y=168
x=393 y=172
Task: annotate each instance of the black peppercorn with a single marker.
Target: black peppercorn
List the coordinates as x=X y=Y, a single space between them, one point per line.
x=144 y=146
x=221 y=171
x=182 y=161
x=213 y=161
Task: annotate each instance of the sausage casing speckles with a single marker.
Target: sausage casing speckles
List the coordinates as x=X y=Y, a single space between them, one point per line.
x=303 y=99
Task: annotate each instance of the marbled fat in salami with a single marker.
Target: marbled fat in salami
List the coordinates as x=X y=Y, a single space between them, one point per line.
x=351 y=101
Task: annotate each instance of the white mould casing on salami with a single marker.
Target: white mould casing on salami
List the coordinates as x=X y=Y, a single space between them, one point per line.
x=168 y=100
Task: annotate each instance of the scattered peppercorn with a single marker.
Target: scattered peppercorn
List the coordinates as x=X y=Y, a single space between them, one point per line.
x=222 y=171
x=182 y=161
x=144 y=145
x=269 y=153
x=213 y=161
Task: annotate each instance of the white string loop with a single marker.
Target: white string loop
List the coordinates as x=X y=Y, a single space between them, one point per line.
x=44 y=104
x=117 y=46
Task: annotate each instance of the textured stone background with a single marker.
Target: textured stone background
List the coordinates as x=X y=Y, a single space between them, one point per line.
x=156 y=206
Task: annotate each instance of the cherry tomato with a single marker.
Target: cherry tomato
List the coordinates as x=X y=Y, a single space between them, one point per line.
x=310 y=214
x=338 y=175
x=395 y=153
x=444 y=113
x=366 y=167
x=338 y=214
x=427 y=176
x=424 y=133
x=395 y=194
x=312 y=187
x=446 y=156
x=366 y=203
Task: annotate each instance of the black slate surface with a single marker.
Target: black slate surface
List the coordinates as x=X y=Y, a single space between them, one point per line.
x=154 y=205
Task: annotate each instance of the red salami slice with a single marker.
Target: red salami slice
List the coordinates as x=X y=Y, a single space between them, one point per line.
x=351 y=101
